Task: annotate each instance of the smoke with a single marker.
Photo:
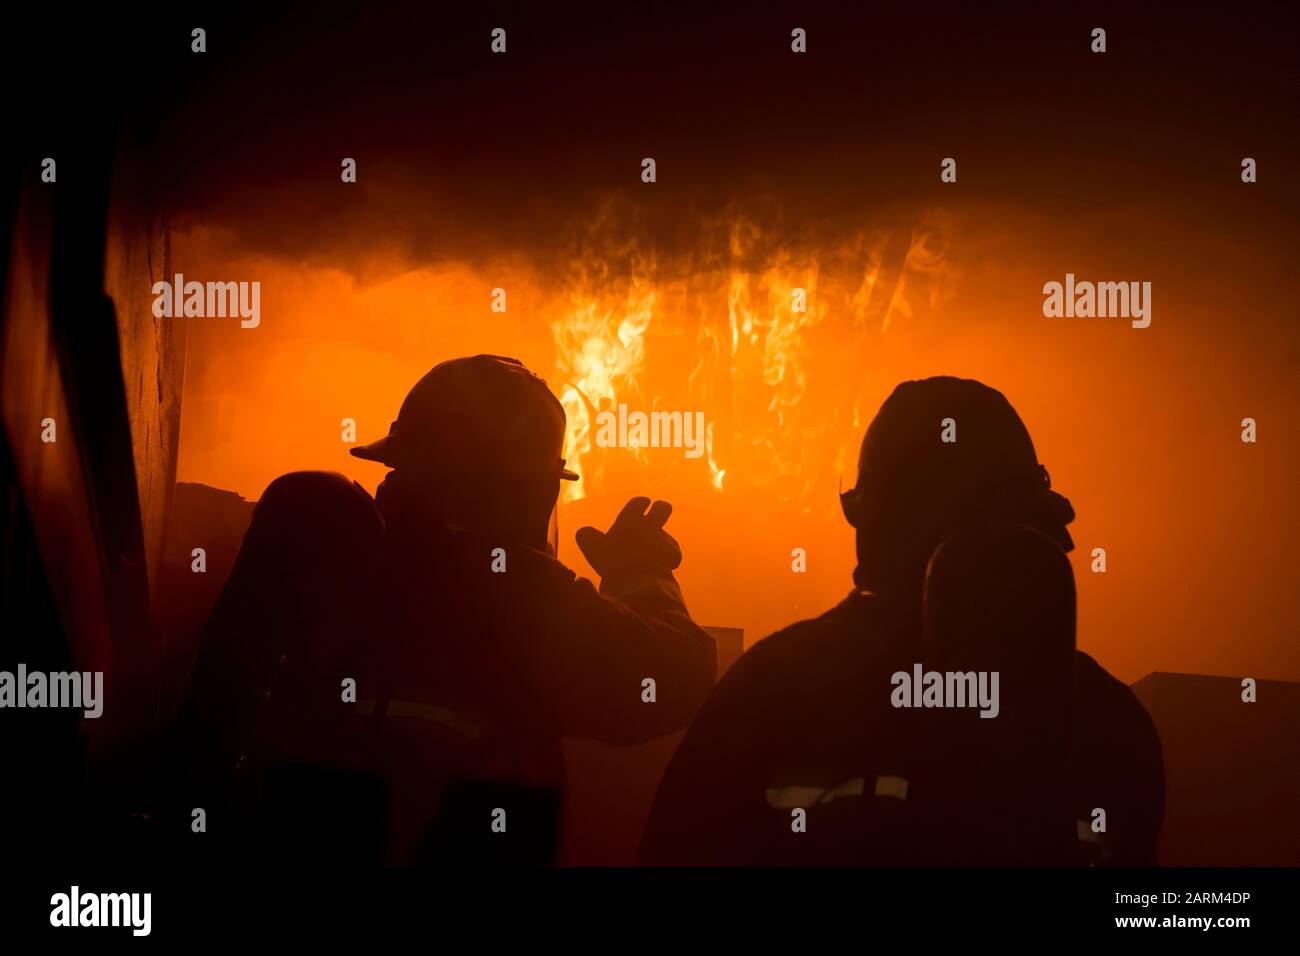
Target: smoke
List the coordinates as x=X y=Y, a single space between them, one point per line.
x=775 y=172
x=467 y=155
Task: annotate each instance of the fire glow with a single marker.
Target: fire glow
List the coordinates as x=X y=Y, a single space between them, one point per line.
x=784 y=382
x=772 y=338
x=746 y=326
x=706 y=323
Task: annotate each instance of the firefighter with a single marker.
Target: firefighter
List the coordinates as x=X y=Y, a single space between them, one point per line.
x=799 y=757
x=398 y=672
x=482 y=631
x=264 y=718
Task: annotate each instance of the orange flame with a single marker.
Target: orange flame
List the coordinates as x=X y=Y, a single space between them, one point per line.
x=754 y=320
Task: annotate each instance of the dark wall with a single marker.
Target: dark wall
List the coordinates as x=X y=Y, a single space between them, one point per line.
x=83 y=360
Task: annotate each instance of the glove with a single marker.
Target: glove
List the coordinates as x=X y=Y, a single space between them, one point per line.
x=635 y=542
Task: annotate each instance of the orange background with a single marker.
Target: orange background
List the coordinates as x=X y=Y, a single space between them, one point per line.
x=1139 y=427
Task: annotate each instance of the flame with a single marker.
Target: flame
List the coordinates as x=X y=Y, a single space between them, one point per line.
x=601 y=346
x=753 y=311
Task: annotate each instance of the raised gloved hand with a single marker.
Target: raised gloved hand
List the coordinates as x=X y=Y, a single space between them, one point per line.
x=635 y=542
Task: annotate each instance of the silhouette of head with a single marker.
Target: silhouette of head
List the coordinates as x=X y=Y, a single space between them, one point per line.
x=942 y=455
x=321 y=514
x=312 y=537
x=1001 y=597
x=477 y=447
